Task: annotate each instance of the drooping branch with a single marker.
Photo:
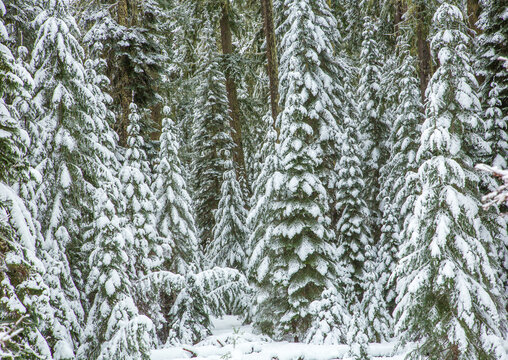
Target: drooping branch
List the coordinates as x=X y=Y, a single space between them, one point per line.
x=500 y=195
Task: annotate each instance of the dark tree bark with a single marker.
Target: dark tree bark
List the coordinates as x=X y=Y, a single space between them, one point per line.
x=122 y=87
x=156 y=113
x=400 y=8
x=473 y=11
x=424 y=58
x=271 y=56
x=234 y=108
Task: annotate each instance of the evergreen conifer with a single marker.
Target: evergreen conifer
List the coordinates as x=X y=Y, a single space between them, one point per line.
x=449 y=297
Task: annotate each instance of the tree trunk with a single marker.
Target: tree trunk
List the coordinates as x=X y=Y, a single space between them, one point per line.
x=455 y=352
x=424 y=58
x=271 y=56
x=122 y=87
x=473 y=11
x=400 y=9
x=156 y=113
x=234 y=108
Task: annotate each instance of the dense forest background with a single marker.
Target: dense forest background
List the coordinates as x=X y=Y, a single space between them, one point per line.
x=308 y=165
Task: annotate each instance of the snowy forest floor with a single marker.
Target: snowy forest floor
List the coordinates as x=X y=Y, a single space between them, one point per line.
x=230 y=340
x=234 y=341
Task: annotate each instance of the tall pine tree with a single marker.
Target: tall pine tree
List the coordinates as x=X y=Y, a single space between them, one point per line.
x=175 y=217
x=229 y=244
x=298 y=263
x=24 y=297
x=140 y=204
x=61 y=91
x=449 y=294
x=493 y=51
x=114 y=328
x=211 y=136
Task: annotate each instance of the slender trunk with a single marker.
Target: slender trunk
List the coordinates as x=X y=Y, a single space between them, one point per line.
x=455 y=352
x=424 y=57
x=400 y=9
x=271 y=56
x=156 y=113
x=122 y=12
x=234 y=108
x=473 y=11
x=122 y=87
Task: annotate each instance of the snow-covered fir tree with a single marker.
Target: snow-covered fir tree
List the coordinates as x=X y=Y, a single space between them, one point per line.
x=373 y=306
x=356 y=336
x=298 y=262
x=449 y=297
x=24 y=297
x=230 y=233
x=61 y=91
x=101 y=171
x=327 y=82
x=175 y=217
x=362 y=269
x=189 y=314
x=262 y=195
x=493 y=45
x=140 y=203
x=329 y=326
x=127 y=35
x=211 y=136
x=114 y=328
x=400 y=182
x=372 y=127
x=354 y=234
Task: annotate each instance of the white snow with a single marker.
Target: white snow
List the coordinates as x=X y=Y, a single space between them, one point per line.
x=232 y=340
x=65 y=177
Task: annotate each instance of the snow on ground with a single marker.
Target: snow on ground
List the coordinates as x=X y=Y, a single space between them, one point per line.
x=234 y=341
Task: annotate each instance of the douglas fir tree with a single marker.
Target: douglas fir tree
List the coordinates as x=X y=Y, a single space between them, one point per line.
x=61 y=90
x=211 y=138
x=24 y=297
x=493 y=54
x=229 y=248
x=373 y=129
x=175 y=217
x=298 y=263
x=399 y=179
x=449 y=296
x=140 y=206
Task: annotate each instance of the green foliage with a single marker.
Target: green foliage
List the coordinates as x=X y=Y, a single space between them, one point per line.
x=211 y=139
x=449 y=297
x=492 y=51
x=190 y=300
x=175 y=215
x=297 y=263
